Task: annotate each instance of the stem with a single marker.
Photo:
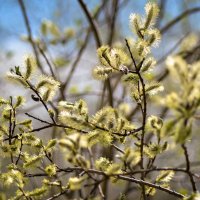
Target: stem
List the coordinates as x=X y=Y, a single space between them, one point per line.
x=41 y=100
x=10 y=128
x=122 y=177
x=92 y=23
x=113 y=21
x=30 y=37
x=144 y=113
x=179 y=18
x=188 y=168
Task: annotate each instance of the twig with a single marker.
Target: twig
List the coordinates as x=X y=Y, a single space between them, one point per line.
x=188 y=168
x=92 y=23
x=20 y=152
x=28 y=27
x=122 y=177
x=40 y=99
x=161 y=13
x=74 y=64
x=144 y=113
x=41 y=128
x=176 y=45
x=141 y=182
x=98 y=43
x=10 y=128
x=47 y=61
x=36 y=118
x=113 y=21
x=133 y=60
x=118 y=149
x=57 y=195
x=179 y=18
x=81 y=50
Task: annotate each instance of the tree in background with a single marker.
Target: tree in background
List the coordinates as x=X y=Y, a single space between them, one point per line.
x=121 y=150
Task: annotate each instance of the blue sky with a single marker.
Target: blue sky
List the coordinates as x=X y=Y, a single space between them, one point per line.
x=12 y=24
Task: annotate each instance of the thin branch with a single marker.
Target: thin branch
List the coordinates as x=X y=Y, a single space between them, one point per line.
x=162 y=12
x=113 y=21
x=47 y=61
x=40 y=99
x=176 y=45
x=179 y=18
x=20 y=152
x=10 y=128
x=81 y=50
x=118 y=149
x=141 y=182
x=30 y=37
x=110 y=92
x=98 y=43
x=157 y=169
x=144 y=113
x=57 y=195
x=92 y=23
x=135 y=65
x=76 y=61
x=122 y=177
x=41 y=128
x=188 y=168
x=36 y=118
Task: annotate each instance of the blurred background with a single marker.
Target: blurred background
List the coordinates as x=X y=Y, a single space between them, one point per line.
x=69 y=18
x=67 y=47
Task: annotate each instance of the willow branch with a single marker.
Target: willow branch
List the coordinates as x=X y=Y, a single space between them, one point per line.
x=145 y=183
x=188 y=168
x=76 y=61
x=92 y=23
x=179 y=18
x=30 y=36
x=47 y=61
x=113 y=21
x=122 y=177
x=144 y=114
